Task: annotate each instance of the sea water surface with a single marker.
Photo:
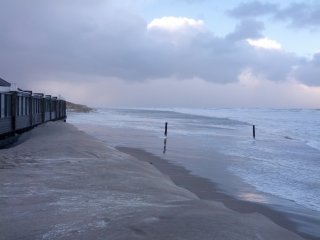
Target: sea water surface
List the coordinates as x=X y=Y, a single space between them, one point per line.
x=281 y=167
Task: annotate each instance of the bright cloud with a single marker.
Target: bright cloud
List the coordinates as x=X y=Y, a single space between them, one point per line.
x=174 y=24
x=265 y=43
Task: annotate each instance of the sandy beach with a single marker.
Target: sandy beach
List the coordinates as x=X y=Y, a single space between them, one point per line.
x=59 y=183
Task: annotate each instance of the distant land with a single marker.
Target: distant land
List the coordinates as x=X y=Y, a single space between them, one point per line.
x=74 y=107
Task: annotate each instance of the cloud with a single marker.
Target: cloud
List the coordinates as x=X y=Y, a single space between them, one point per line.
x=177 y=31
x=173 y=24
x=265 y=43
x=47 y=43
x=193 y=1
x=250 y=91
x=309 y=71
x=299 y=15
x=247 y=29
x=56 y=37
x=253 y=9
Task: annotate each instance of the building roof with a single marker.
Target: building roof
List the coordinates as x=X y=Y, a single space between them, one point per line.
x=4 y=83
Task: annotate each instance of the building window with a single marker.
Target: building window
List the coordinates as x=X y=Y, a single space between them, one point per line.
x=2 y=105
x=7 y=105
x=26 y=105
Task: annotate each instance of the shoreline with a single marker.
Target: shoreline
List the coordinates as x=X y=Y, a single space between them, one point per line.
x=301 y=220
x=207 y=190
x=62 y=183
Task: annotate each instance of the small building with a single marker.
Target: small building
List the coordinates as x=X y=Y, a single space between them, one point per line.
x=4 y=86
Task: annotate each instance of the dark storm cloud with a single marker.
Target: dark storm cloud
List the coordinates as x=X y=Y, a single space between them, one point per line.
x=61 y=36
x=304 y=14
x=47 y=38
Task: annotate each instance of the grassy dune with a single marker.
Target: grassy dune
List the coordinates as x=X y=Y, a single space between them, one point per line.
x=74 y=107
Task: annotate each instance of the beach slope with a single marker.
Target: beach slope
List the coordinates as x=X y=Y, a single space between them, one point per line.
x=60 y=183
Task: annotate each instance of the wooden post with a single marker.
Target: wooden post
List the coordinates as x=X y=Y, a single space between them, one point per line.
x=254 y=131
x=166 y=129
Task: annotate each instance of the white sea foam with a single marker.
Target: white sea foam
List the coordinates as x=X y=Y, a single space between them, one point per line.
x=299 y=124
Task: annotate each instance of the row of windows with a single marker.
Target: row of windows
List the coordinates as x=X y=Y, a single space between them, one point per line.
x=36 y=106
x=23 y=105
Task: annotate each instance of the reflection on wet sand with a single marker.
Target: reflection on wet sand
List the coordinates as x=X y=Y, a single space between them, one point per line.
x=253 y=197
x=164 y=145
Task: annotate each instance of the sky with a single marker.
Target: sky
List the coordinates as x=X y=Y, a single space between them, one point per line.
x=165 y=53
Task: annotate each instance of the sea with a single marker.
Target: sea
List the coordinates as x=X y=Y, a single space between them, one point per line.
x=279 y=168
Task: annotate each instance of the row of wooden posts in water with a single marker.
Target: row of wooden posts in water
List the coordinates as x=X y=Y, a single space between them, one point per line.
x=166 y=133
x=253 y=130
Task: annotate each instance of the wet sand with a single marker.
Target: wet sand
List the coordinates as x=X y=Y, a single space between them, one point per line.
x=60 y=183
x=207 y=190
